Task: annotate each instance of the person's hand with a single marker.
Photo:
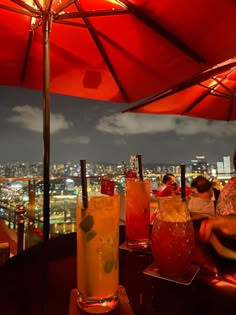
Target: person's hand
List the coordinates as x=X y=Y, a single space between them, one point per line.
x=224 y=224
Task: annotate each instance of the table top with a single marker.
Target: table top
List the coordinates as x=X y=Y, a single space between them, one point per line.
x=40 y=280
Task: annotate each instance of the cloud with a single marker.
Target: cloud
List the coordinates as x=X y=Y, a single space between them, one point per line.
x=134 y=124
x=120 y=141
x=78 y=139
x=31 y=118
x=209 y=140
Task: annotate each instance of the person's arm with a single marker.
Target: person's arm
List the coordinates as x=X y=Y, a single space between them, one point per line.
x=224 y=224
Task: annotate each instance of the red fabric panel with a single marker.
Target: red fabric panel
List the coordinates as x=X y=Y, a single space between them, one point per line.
x=143 y=61
x=211 y=99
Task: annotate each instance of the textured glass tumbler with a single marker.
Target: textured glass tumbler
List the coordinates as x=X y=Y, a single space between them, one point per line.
x=172 y=237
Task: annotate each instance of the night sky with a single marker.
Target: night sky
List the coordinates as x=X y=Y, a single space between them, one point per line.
x=98 y=131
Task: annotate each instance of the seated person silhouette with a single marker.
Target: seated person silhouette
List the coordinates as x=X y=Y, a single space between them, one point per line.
x=203 y=201
x=169 y=187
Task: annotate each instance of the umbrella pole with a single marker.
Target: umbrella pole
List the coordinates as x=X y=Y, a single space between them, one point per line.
x=46 y=124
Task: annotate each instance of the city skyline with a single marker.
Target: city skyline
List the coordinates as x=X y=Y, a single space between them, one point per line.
x=72 y=169
x=98 y=131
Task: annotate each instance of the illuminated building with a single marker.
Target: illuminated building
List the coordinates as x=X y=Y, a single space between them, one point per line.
x=226 y=160
x=199 y=165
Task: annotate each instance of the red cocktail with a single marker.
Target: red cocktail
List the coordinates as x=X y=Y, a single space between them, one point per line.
x=137 y=207
x=172 y=239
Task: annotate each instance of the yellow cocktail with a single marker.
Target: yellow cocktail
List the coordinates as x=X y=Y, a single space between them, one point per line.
x=97 y=254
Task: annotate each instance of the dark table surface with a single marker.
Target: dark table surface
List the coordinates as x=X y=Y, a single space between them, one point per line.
x=39 y=282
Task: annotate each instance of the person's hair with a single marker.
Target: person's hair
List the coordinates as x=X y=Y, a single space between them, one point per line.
x=215 y=182
x=167 y=177
x=201 y=183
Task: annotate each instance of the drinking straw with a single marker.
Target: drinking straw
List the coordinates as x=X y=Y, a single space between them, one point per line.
x=87 y=284
x=140 y=169
x=183 y=192
x=84 y=183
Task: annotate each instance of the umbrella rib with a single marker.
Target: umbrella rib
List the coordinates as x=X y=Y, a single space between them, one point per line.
x=162 y=31
x=224 y=95
x=103 y=53
x=110 y=40
x=226 y=76
x=49 y=6
x=26 y=6
x=38 y=4
x=30 y=38
x=36 y=25
x=5 y=7
x=199 y=99
x=187 y=83
x=70 y=23
x=203 y=76
x=229 y=73
x=216 y=92
x=81 y=13
x=63 y=6
x=92 y=13
x=223 y=85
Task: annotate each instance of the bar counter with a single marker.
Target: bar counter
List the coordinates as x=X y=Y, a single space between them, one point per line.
x=39 y=281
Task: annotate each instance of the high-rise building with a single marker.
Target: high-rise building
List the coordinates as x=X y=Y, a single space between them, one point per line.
x=133 y=162
x=220 y=167
x=199 y=165
x=226 y=160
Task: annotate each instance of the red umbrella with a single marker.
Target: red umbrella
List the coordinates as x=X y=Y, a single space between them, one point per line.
x=116 y=50
x=211 y=95
x=112 y=50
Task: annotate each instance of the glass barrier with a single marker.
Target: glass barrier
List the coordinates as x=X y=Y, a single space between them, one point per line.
x=28 y=193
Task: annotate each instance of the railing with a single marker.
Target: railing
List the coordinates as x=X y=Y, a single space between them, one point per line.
x=28 y=192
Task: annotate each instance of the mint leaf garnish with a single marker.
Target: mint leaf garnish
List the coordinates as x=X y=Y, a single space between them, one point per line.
x=87 y=223
x=108 y=266
x=91 y=234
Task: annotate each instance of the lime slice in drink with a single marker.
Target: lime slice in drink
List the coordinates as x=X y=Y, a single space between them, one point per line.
x=108 y=266
x=87 y=223
x=91 y=234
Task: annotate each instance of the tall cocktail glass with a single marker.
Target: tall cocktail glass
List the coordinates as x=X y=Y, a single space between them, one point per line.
x=137 y=208
x=172 y=237
x=97 y=253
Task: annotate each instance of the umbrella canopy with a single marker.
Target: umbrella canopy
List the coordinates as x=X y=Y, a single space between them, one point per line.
x=116 y=50
x=211 y=95
x=113 y=50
